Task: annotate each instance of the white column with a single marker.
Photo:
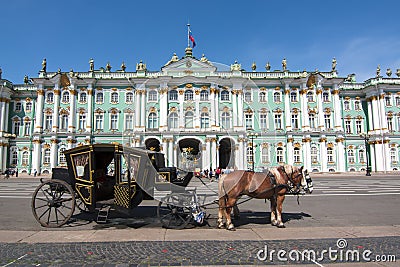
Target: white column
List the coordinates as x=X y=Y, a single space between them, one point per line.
x=375 y=115
x=240 y=108
x=72 y=112
x=213 y=153
x=143 y=110
x=207 y=154
x=53 y=153
x=370 y=116
x=89 y=116
x=56 y=108
x=6 y=116
x=197 y=112
x=340 y=155
x=138 y=109
x=382 y=115
x=39 y=110
x=320 y=123
x=241 y=155
x=305 y=123
x=204 y=156
x=307 y=153
x=3 y=157
x=212 y=101
x=181 y=110
x=3 y=111
x=323 y=154
x=386 y=155
x=171 y=152
x=379 y=161
x=175 y=154
x=289 y=150
x=235 y=108
x=36 y=157
x=373 y=156
x=287 y=110
x=217 y=120
x=163 y=109
x=337 y=110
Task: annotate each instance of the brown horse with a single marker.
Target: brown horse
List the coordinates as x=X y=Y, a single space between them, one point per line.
x=272 y=185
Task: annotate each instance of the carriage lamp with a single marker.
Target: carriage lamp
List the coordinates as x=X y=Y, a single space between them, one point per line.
x=252 y=136
x=366 y=138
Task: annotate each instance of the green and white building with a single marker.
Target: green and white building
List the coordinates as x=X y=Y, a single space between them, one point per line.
x=194 y=110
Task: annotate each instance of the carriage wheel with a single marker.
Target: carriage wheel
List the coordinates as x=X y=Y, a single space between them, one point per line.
x=174 y=212
x=53 y=203
x=80 y=204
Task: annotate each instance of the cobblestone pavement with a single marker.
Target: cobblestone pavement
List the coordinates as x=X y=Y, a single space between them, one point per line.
x=192 y=253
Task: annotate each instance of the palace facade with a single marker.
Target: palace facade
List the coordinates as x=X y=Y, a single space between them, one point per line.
x=203 y=117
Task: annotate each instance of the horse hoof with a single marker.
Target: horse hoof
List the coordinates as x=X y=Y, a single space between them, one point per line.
x=231 y=228
x=281 y=226
x=221 y=226
x=274 y=223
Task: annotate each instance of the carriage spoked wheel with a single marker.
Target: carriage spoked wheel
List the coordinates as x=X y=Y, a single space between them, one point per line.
x=80 y=204
x=174 y=211
x=53 y=203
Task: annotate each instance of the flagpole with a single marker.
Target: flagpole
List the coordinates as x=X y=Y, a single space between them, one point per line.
x=188 y=33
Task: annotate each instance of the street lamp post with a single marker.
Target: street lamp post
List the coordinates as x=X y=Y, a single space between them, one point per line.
x=252 y=136
x=366 y=138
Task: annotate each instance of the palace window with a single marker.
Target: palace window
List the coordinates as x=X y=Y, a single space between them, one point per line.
x=204 y=120
x=311 y=119
x=247 y=96
x=99 y=122
x=50 y=98
x=249 y=154
x=48 y=122
x=16 y=127
x=224 y=95
x=114 y=122
x=263 y=121
x=262 y=97
x=347 y=126
x=189 y=119
x=114 y=97
x=346 y=105
x=46 y=157
x=99 y=98
x=188 y=96
x=265 y=155
x=248 y=121
x=82 y=121
x=329 y=153
x=129 y=121
x=361 y=155
x=310 y=96
x=390 y=123
x=293 y=96
x=279 y=155
x=357 y=105
x=18 y=107
x=153 y=95
x=295 y=121
x=350 y=156
x=388 y=100
x=173 y=120
x=83 y=97
x=278 y=121
x=297 y=154
x=173 y=95
x=226 y=120
x=14 y=156
x=204 y=95
x=152 y=121
x=327 y=120
x=65 y=97
x=27 y=128
x=325 y=97
x=314 y=154
x=393 y=155
x=397 y=101
x=129 y=97
x=358 y=126
x=64 y=122
x=277 y=97
x=61 y=156
x=28 y=107
x=25 y=158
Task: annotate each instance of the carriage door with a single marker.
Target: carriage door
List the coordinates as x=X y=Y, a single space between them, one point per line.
x=123 y=189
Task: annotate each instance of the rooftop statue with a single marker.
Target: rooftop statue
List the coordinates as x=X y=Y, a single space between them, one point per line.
x=203 y=58
x=268 y=66
x=44 y=65
x=173 y=59
x=254 y=66
x=284 y=64
x=236 y=66
x=141 y=66
x=91 y=64
x=26 y=79
x=123 y=66
x=333 y=64
x=108 y=66
x=378 y=71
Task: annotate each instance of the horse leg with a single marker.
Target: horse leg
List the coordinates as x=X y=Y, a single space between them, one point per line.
x=274 y=220
x=279 y=203
x=236 y=211
x=221 y=209
x=229 y=204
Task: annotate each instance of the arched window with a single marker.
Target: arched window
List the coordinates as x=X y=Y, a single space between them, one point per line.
x=64 y=122
x=50 y=97
x=173 y=95
x=329 y=153
x=61 y=156
x=357 y=105
x=16 y=125
x=153 y=95
x=226 y=120
x=393 y=155
x=265 y=155
x=361 y=155
x=114 y=121
x=247 y=96
x=25 y=158
x=262 y=97
x=18 y=107
x=314 y=154
x=152 y=121
x=188 y=96
x=28 y=107
x=46 y=156
x=204 y=120
x=99 y=97
x=388 y=100
x=297 y=155
x=279 y=155
x=114 y=97
x=204 y=95
x=293 y=96
x=189 y=119
x=14 y=156
x=325 y=97
x=310 y=96
x=65 y=97
x=173 y=121
x=277 y=97
x=350 y=156
x=225 y=95
x=346 y=105
x=83 y=97
x=129 y=97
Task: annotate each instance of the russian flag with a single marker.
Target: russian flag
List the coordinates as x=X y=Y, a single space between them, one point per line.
x=191 y=38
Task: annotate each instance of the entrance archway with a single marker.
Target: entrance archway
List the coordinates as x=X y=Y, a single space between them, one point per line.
x=152 y=144
x=226 y=153
x=189 y=154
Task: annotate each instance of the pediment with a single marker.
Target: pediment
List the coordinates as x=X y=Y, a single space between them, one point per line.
x=189 y=67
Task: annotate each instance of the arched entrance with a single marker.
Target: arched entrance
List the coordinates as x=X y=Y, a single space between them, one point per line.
x=189 y=154
x=226 y=153
x=152 y=144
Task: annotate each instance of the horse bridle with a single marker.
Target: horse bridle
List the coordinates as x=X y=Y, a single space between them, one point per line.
x=293 y=188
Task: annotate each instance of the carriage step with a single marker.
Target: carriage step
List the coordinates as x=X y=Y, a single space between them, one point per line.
x=102 y=215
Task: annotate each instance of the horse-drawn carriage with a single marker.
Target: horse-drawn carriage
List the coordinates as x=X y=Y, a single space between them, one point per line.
x=101 y=175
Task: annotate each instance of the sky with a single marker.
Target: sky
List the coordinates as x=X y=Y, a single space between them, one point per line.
x=359 y=34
